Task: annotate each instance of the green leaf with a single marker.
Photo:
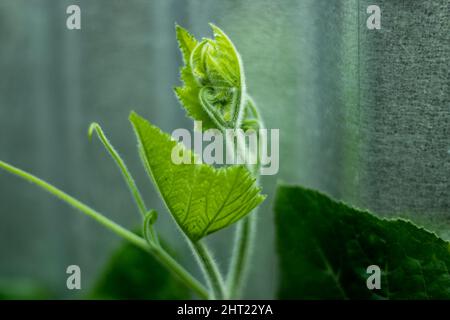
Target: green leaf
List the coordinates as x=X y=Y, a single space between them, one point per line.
x=189 y=93
x=325 y=248
x=132 y=273
x=201 y=198
x=216 y=62
x=23 y=289
x=213 y=79
x=186 y=42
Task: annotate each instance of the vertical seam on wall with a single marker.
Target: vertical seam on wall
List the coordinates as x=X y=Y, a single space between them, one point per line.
x=359 y=98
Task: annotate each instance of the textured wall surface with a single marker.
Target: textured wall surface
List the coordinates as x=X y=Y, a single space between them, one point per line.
x=364 y=115
x=405 y=111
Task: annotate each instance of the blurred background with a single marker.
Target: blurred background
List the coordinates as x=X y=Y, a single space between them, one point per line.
x=364 y=115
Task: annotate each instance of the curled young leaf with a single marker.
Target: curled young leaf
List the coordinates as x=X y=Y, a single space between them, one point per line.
x=213 y=78
x=201 y=198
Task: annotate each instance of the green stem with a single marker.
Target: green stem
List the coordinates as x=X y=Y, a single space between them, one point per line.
x=149 y=220
x=125 y=172
x=245 y=234
x=178 y=270
x=210 y=270
x=242 y=252
x=157 y=251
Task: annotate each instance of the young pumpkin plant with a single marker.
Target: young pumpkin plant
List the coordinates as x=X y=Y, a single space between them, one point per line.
x=201 y=199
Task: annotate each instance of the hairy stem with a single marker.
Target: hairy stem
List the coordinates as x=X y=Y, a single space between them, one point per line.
x=155 y=250
x=126 y=174
x=242 y=253
x=245 y=233
x=210 y=270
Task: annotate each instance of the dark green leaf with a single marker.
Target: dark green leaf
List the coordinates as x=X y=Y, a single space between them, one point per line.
x=325 y=248
x=23 y=289
x=133 y=273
